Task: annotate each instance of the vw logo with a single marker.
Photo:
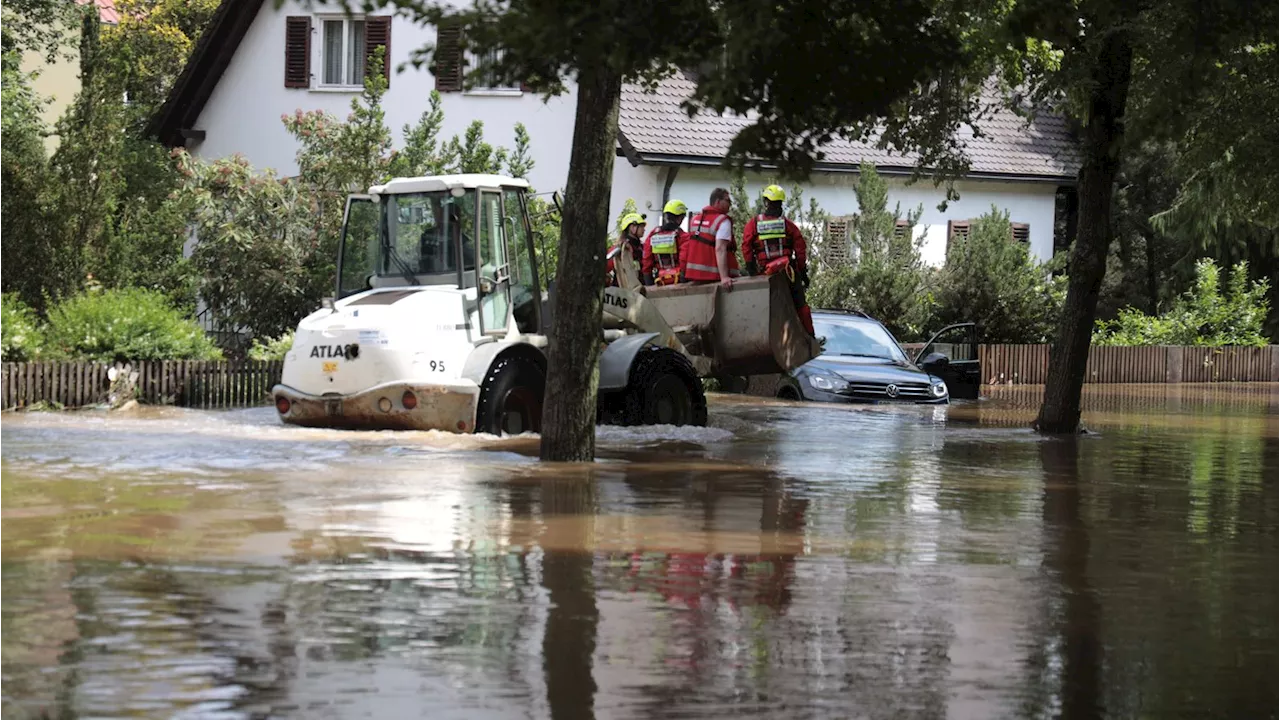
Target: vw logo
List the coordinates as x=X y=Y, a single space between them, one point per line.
x=891 y=390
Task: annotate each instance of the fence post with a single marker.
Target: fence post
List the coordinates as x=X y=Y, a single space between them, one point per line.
x=1173 y=364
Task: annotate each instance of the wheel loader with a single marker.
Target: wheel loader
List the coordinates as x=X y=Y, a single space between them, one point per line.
x=441 y=321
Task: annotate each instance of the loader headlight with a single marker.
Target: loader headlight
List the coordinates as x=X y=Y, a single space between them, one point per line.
x=830 y=383
x=939 y=388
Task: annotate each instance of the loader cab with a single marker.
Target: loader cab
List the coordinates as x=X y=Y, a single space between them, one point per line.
x=466 y=232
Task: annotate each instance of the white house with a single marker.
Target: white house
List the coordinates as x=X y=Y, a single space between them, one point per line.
x=256 y=62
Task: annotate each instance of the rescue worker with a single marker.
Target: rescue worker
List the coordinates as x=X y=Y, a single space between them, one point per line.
x=631 y=238
x=712 y=254
x=663 y=260
x=773 y=244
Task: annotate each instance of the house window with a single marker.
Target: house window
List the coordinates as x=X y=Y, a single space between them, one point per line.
x=343 y=59
x=479 y=65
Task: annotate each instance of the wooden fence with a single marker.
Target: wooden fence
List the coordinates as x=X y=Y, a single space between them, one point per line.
x=195 y=384
x=1029 y=364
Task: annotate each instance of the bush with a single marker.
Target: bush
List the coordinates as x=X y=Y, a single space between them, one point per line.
x=273 y=349
x=21 y=338
x=993 y=281
x=124 y=325
x=886 y=273
x=1202 y=316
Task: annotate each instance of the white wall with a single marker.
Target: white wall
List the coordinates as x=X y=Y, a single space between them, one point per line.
x=243 y=114
x=1027 y=202
x=642 y=184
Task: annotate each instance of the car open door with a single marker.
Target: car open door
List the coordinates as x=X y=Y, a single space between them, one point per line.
x=952 y=354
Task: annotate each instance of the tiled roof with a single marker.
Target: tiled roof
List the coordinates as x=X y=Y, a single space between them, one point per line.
x=655 y=125
x=107 y=12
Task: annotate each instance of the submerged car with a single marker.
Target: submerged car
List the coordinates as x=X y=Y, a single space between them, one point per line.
x=863 y=362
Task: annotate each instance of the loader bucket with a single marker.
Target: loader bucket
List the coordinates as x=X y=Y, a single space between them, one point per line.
x=751 y=330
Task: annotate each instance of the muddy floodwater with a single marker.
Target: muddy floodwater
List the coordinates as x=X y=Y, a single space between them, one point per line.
x=788 y=561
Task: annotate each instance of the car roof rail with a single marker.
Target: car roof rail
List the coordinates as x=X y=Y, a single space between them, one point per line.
x=843 y=311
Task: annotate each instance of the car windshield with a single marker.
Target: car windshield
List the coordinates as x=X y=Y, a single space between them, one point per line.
x=857 y=338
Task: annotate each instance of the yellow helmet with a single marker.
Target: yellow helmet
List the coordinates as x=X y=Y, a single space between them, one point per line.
x=631 y=219
x=773 y=192
x=676 y=207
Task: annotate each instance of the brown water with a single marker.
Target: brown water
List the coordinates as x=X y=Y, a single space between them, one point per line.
x=789 y=561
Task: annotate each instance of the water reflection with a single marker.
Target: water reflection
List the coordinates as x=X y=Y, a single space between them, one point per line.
x=792 y=561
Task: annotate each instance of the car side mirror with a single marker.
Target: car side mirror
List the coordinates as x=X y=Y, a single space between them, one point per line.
x=935 y=360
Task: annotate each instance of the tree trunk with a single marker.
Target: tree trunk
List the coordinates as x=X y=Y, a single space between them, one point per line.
x=569 y=414
x=1103 y=137
x=1153 y=289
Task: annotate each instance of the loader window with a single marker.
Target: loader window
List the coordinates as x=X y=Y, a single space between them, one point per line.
x=495 y=301
x=356 y=263
x=524 y=286
x=424 y=232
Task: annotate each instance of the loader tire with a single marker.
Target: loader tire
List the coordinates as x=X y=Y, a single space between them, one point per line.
x=511 y=398
x=664 y=389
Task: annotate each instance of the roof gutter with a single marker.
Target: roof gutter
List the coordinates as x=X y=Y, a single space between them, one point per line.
x=665 y=160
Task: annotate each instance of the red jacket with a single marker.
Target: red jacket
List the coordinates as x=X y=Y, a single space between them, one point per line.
x=651 y=264
x=700 y=261
x=753 y=248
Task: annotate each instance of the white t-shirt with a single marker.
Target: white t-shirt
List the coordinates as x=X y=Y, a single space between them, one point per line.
x=722 y=233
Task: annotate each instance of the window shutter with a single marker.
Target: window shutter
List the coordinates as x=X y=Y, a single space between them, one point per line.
x=835 y=244
x=447 y=67
x=377 y=31
x=297 y=52
x=957 y=228
x=1022 y=232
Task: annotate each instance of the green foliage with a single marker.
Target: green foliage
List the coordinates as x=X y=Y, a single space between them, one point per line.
x=21 y=337
x=38 y=26
x=743 y=208
x=335 y=158
x=152 y=41
x=809 y=217
x=628 y=207
x=421 y=153
x=520 y=161
x=100 y=205
x=885 y=277
x=992 y=280
x=898 y=46
x=545 y=221
x=1202 y=316
x=123 y=325
x=265 y=251
x=25 y=252
x=272 y=349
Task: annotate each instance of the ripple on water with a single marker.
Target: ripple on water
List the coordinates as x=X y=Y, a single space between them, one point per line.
x=788 y=560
